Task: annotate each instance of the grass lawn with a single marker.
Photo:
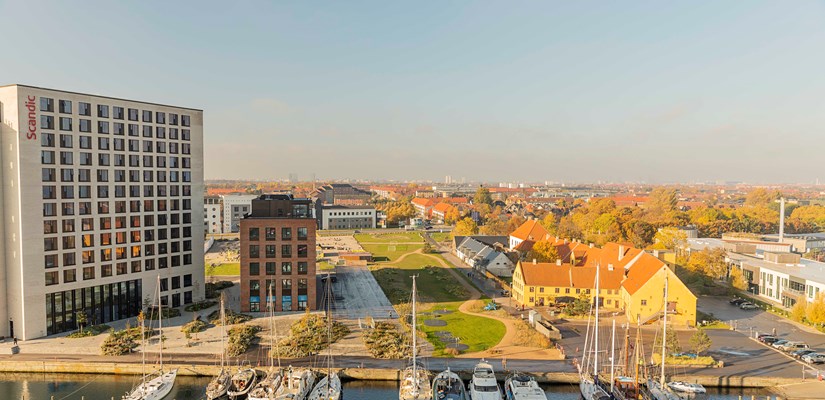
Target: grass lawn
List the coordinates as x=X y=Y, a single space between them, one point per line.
x=325 y=266
x=440 y=236
x=382 y=252
x=477 y=332
x=399 y=237
x=223 y=269
x=435 y=284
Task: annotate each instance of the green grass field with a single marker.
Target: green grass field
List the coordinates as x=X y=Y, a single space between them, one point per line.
x=477 y=332
x=382 y=252
x=399 y=237
x=223 y=269
x=440 y=236
x=435 y=284
x=325 y=266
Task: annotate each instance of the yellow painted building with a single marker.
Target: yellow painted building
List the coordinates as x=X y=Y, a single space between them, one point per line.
x=541 y=284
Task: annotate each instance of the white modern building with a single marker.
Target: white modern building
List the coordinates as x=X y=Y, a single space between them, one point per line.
x=212 y=209
x=100 y=197
x=234 y=208
x=346 y=217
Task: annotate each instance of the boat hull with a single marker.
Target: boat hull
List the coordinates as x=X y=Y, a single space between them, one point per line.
x=154 y=389
x=448 y=386
x=219 y=385
x=592 y=391
x=328 y=388
x=415 y=385
x=242 y=382
x=522 y=387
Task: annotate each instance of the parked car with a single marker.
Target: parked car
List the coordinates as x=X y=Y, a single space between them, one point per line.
x=768 y=339
x=748 y=306
x=778 y=343
x=802 y=353
x=792 y=346
x=814 y=358
x=737 y=301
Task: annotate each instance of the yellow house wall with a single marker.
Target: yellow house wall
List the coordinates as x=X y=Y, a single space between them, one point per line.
x=652 y=293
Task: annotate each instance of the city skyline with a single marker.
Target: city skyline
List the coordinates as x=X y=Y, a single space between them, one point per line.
x=562 y=92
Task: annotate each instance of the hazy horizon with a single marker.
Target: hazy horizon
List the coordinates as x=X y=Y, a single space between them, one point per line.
x=568 y=92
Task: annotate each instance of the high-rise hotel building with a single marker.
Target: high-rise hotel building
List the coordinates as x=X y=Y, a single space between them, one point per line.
x=99 y=197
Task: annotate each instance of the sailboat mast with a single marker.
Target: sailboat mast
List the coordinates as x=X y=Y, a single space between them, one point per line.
x=223 y=333
x=612 y=355
x=596 y=330
x=329 y=330
x=414 y=348
x=664 y=334
x=160 y=325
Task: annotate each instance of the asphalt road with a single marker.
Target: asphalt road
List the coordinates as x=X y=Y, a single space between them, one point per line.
x=357 y=295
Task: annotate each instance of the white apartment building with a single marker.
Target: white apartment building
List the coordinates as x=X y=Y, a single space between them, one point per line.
x=100 y=197
x=346 y=217
x=212 y=215
x=234 y=208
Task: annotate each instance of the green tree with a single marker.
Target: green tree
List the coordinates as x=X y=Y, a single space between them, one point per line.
x=700 y=342
x=663 y=201
x=641 y=233
x=815 y=312
x=482 y=196
x=81 y=318
x=465 y=227
x=494 y=227
x=673 y=345
x=543 y=251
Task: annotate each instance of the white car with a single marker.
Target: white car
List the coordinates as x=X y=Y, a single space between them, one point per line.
x=814 y=358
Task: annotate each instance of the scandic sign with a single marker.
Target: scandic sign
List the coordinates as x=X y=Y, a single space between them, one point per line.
x=32 y=130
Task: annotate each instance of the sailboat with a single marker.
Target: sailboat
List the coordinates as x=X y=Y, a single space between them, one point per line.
x=266 y=387
x=220 y=384
x=626 y=386
x=415 y=379
x=296 y=384
x=329 y=387
x=447 y=385
x=156 y=385
x=661 y=389
x=590 y=386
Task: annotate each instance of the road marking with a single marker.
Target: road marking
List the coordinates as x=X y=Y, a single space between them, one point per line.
x=734 y=353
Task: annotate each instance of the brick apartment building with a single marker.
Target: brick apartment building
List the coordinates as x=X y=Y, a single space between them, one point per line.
x=278 y=249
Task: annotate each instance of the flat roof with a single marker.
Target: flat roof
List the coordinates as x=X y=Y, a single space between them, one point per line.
x=810 y=270
x=343 y=207
x=103 y=97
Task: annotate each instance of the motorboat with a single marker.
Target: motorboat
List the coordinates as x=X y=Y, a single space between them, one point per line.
x=447 y=385
x=687 y=387
x=296 y=384
x=242 y=382
x=483 y=384
x=522 y=387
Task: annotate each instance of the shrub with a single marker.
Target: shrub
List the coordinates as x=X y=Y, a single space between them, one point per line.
x=93 y=330
x=232 y=317
x=385 y=341
x=201 y=305
x=152 y=313
x=308 y=336
x=213 y=289
x=193 y=326
x=123 y=341
x=240 y=338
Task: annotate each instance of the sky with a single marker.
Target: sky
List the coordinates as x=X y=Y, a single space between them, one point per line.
x=584 y=91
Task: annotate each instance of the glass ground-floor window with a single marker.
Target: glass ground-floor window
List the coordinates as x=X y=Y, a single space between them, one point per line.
x=101 y=304
x=286 y=303
x=302 y=302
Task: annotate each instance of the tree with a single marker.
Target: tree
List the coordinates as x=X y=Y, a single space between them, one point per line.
x=81 y=318
x=465 y=227
x=641 y=233
x=428 y=248
x=700 y=342
x=543 y=251
x=494 y=227
x=737 y=279
x=513 y=223
x=663 y=201
x=549 y=222
x=452 y=215
x=761 y=197
x=815 y=312
x=673 y=345
x=710 y=262
x=669 y=239
x=798 y=311
x=482 y=196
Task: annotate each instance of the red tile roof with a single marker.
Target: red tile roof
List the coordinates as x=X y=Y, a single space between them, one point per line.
x=531 y=230
x=566 y=275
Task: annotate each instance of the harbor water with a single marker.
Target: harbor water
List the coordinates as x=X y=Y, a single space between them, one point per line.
x=108 y=387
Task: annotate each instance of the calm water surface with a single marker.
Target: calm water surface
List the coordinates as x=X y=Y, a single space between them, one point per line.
x=107 y=387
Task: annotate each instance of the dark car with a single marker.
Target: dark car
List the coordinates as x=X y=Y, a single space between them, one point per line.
x=769 y=340
x=802 y=353
x=737 y=301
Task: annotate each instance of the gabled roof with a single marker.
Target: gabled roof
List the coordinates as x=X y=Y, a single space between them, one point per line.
x=424 y=202
x=640 y=273
x=530 y=230
x=441 y=207
x=566 y=275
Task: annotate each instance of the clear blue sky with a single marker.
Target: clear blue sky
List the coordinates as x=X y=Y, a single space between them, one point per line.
x=531 y=90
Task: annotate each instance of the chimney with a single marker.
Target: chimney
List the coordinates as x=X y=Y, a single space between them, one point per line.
x=534 y=261
x=592 y=245
x=558 y=262
x=621 y=251
x=781 y=220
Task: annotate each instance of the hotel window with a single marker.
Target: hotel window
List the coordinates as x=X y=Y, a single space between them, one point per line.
x=85 y=125
x=88 y=256
x=66 y=158
x=302 y=233
x=68 y=225
x=47 y=140
x=185 y=134
x=118 y=128
x=133 y=130
x=47 y=157
x=65 y=124
x=103 y=159
x=50 y=244
x=286 y=250
x=133 y=114
x=49 y=226
x=88 y=273
x=270 y=268
x=254 y=251
x=147 y=116
x=302 y=268
x=85 y=158
x=270 y=233
x=254 y=234
x=46 y=122
x=84 y=109
x=69 y=259
x=117 y=112
x=51 y=261
x=286 y=285
x=106 y=270
x=49 y=192
x=105 y=238
x=254 y=268
x=51 y=278
x=286 y=233
x=303 y=250
x=185 y=120
x=103 y=143
x=147 y=131
x=121 y=268
x=46 y=104
x=173 y=119
x=87 y=224
x=65 y=107
x=270 y=251
x=66 y=141
x=102 y=127
x=102 y=111
x=286 y=268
